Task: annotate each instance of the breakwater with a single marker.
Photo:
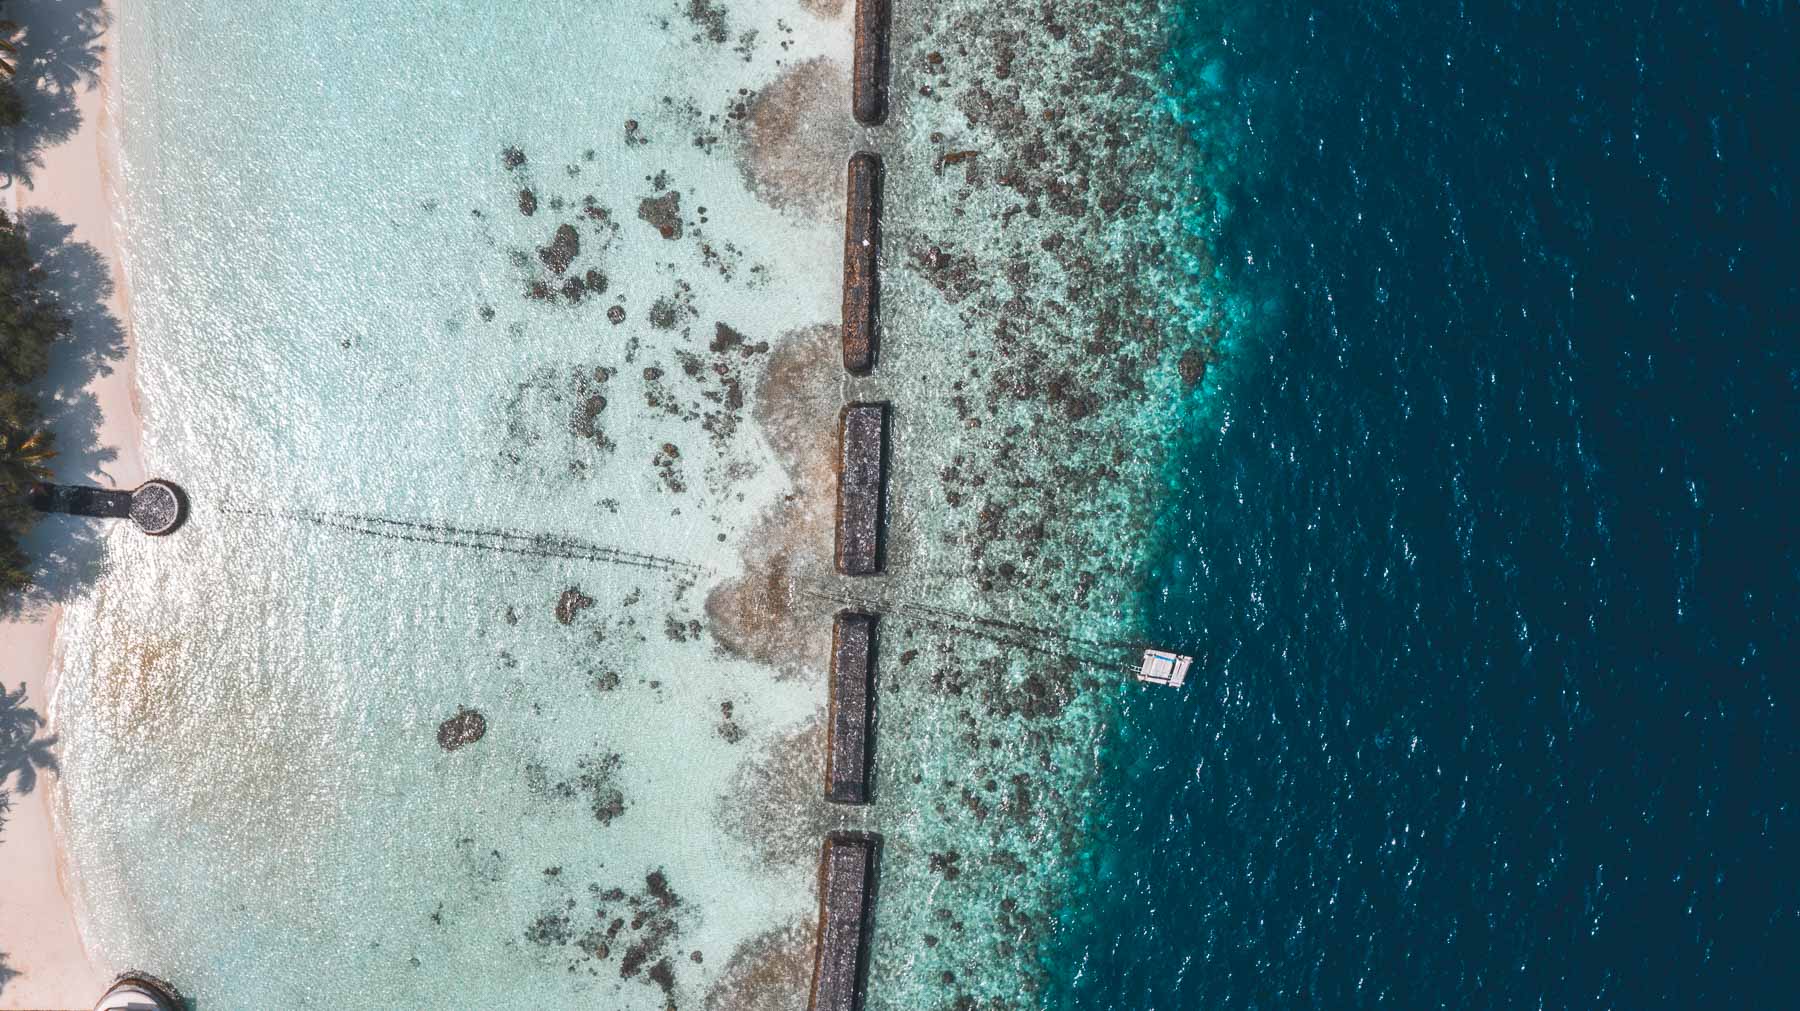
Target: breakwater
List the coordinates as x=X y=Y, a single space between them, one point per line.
x=850 y=709
x=862 y=487
x=862 y=249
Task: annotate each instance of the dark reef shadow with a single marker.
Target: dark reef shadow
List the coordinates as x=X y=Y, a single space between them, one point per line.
x=59 y=55
x=795 y=138
x=771 y=971
x=773 y=614
x=67 y=552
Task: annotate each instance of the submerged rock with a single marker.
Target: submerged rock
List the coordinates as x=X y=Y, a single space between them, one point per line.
x=727 y=339
x=527 y=202
x=585 y=422
x=573 y=601
x=563 y=248
x=663 y=214
x=466 y=727
x=512 y=158
x=710 y=18
x=662 y=314
x=1192 y=368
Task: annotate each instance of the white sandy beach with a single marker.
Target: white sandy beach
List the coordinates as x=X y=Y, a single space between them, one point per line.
x=42 y=960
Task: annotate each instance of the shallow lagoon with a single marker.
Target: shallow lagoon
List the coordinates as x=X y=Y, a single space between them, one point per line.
x=431 y=475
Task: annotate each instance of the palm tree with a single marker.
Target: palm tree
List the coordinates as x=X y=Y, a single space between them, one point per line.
x=25 y=460
x=9 y=30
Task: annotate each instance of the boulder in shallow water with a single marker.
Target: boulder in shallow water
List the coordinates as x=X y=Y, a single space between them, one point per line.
x=466 y=727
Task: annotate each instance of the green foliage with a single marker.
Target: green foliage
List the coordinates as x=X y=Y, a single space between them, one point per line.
x=29 y=324
x=9 y=52
x=12 y=106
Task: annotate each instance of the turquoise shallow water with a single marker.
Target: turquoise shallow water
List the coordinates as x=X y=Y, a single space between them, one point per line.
x=434 y=475
x=317 y=235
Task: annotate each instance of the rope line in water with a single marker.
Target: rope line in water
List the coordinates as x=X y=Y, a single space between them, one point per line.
x=1016 y=626
x=1077 y=649
x=970 y=625
x=536 y=545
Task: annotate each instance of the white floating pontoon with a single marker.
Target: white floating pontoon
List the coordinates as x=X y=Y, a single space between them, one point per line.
x=1162 y=668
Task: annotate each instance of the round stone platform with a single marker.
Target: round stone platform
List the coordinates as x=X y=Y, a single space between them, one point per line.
x=158 y=507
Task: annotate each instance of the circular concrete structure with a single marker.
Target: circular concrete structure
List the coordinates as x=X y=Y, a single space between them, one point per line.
x=158 y=507
x=135 y=993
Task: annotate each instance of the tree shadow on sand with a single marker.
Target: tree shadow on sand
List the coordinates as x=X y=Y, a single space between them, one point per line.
x=24 y=750
x=59 y=56
x=67 y=552
x=7 y=972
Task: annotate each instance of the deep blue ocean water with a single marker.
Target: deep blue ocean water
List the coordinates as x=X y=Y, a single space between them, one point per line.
x=1488 y=543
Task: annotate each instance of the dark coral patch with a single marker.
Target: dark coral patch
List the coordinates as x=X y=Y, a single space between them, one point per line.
x=663 y=213
x=573 y=601
x=466 y=727
x=563 y=248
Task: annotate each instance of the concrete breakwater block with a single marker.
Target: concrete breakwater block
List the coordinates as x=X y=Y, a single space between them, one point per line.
x=869 y=63
x=851 y=708
x=862 y=480
x=80 y=500
x=846 y=902
x=862 y=243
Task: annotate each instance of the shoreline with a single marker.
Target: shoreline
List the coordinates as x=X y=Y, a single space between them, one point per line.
x=40 y=937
